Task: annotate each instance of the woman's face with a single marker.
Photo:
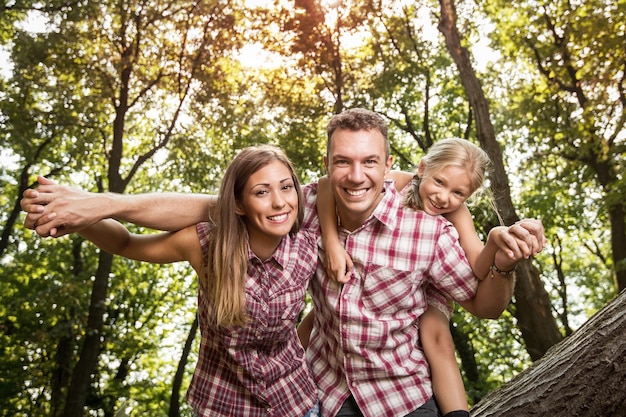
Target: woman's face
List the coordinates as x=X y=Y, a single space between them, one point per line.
x=269 y=203
x=445 y=191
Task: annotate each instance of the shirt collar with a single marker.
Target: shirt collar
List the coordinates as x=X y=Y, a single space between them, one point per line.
x=280 y=255
x=386 y=211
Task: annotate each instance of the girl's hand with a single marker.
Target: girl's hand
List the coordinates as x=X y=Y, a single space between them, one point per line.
x=525 y=238
x=338 y=263
x=500 y=237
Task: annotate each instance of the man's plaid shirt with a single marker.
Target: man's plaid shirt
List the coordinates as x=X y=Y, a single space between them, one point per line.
x=365 y=340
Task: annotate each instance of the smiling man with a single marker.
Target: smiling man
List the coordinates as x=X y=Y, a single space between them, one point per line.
x=357 y=164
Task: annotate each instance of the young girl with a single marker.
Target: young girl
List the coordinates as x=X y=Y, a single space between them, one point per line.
x=254 y=266
x=452 y=171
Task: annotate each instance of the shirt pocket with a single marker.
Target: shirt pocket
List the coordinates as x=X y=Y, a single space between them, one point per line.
x=290 y=305
x=388 y=291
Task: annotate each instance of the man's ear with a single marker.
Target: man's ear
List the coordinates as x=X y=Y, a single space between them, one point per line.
x=388 y=164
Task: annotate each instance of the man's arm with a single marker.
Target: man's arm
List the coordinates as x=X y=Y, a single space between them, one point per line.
x=492 y=296
x=494 y=293
x=56 y=210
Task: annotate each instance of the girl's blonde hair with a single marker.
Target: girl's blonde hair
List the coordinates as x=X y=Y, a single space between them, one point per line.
x=227 y=265
x=453 y=151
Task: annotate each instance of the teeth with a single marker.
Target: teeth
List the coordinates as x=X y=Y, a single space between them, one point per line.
x=356 y=193
x=436 y=206
x=278 y=218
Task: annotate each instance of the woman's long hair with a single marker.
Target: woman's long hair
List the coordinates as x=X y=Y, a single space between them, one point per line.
x=227 y=265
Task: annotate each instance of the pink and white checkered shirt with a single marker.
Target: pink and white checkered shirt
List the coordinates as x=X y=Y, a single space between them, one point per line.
x=365 y=339
x=259 y=369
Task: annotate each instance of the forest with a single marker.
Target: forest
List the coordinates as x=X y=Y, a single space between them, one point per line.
x=159 y=95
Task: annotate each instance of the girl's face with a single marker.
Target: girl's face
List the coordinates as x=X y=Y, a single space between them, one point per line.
x=445 y=191
x=269 y=204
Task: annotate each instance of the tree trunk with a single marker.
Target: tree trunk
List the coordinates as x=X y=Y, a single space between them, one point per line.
x=174 y=410
x=532 y=303
x=618 y=244
x=88 y=360
x=583 y=375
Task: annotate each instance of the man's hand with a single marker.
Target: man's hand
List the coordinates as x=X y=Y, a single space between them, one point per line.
x=56 y=210
x=530 y=239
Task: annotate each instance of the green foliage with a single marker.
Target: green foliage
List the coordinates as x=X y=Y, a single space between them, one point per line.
x=493 y=366
x=564 y=114
x=147 y=96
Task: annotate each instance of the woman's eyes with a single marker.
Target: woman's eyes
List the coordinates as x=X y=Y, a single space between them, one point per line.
x=287 y=187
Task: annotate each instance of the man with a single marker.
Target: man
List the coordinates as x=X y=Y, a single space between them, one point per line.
x=364 y=347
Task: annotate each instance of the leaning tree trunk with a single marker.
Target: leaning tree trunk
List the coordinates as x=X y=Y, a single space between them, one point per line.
x=583 y=375
x=532 y=303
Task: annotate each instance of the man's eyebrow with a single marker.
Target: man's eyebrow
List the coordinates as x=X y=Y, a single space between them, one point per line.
x=372 y=156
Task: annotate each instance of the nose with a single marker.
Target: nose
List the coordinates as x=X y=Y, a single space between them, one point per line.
x=356 y=174
x=442 y=198
x=278 y=201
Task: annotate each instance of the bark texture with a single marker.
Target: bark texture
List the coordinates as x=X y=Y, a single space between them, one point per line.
x=583 y=375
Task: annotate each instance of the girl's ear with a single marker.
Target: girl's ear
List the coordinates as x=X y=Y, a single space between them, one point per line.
x=421 y=168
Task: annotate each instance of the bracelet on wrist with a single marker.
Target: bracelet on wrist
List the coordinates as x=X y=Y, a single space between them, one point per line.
x=494 y=268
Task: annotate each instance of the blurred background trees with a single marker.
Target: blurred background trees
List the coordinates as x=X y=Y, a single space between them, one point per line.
x=159 y=96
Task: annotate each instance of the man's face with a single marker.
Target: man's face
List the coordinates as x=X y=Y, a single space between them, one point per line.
x=356 y=166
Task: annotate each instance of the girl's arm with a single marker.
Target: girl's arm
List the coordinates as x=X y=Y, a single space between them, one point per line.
x=338 y=262
x=402 y=178
x=165 y=247
x=524 y=238
x=480 y=257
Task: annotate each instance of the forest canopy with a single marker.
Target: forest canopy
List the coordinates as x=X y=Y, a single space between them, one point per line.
x=159 y=95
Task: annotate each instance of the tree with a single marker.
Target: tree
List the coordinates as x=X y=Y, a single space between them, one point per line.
x=130 y=70
x=532 y=304
x=573 y=104
x=583 y=375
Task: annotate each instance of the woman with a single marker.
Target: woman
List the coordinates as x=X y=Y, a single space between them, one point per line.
x=254 y=266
